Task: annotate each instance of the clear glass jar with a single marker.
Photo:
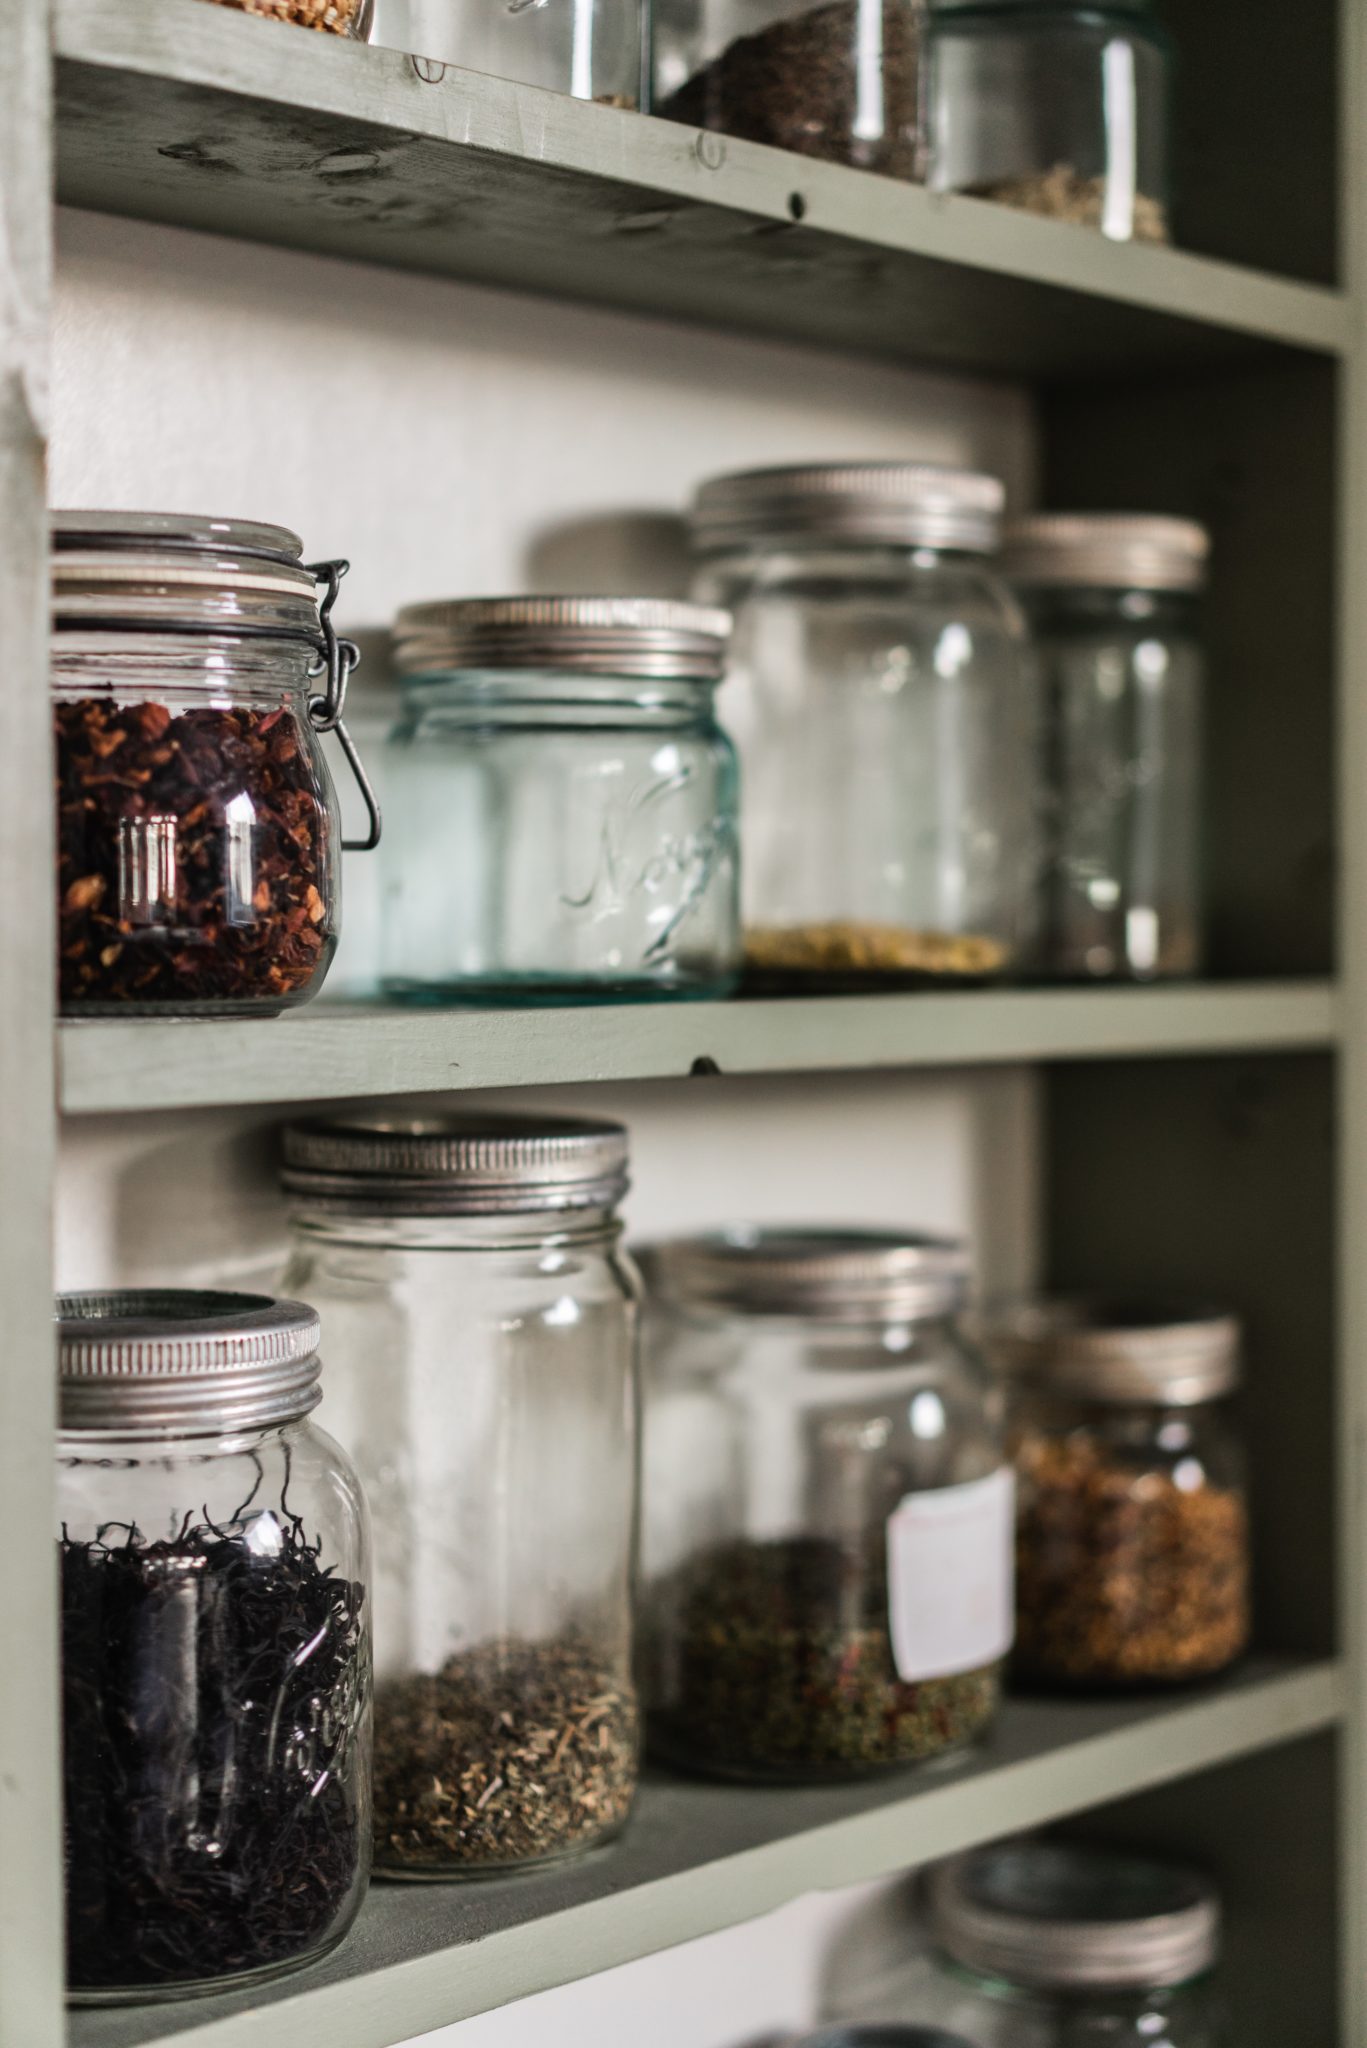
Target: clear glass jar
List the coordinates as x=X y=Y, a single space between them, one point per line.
x=1057 y=109
x=1132 y=1542
x=1113 y=601
x=838 y=79
x=197 y=834
x=591 y=49
x=828 y=1510
x=332 y=17
x=564 y=804
x=479 y=1260
x=885 y=713
x=1038 y=1944
x=216 y=1692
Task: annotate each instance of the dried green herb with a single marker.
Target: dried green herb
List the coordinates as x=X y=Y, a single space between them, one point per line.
x=774 y=1659
x=512 y=1752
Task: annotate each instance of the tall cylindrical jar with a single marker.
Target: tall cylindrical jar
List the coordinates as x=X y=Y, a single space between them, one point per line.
x=481 y=1329
x=828 y=1506
x=564 y=804
x=1059 y=107
x=1132 y=1548
x=194 y=667
x=1113 y=600
x=216 y=1694
x=880 y=695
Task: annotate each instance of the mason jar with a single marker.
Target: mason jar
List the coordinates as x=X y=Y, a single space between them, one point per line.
x=591 y=49
x=828 y=1506
x=193 y=670
x=1113 y=599
x=1132 y=1541
x=884 y=709
x=564 y=804
x=837 y=79
x=481 y=1330
x=212 y=1546
x=1044 y=1944
x=1061 y=110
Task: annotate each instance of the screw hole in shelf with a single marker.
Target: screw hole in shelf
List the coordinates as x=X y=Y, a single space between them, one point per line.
x=704 y=1066
x=797 y=206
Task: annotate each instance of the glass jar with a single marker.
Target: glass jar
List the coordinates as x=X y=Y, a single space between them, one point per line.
x=1040 y=1944
x=479 y=1260
x=213 y=1552
x=1113 y=601
x=333 y=17
x=197 y=836
x=1132 y=1542
x=564 y=804
x=828 y=1510
x=1058 y=109
x=837 y=80
x=885 y=713
x=591 y=49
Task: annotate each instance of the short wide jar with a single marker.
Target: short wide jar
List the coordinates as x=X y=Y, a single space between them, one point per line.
x=1132 y=1545
x=481 y=1328
x=216 y=1696
x=886 y=717
x=563 y=803
x=1114 y=602
x=828 y=1506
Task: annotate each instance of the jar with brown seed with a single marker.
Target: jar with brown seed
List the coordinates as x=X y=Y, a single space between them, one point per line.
x=1132 y=1535
x=330 y=17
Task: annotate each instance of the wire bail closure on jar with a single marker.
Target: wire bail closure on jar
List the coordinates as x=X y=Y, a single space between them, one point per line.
x=340 y=660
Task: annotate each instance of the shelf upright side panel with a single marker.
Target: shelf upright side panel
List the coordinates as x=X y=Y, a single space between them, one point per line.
x=30 y=1829
x=1352 y=1105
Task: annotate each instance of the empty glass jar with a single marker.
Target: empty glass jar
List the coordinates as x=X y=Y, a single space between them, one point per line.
x=481 y=1329
x=837 y=80
x=591 y=49
x=885 y=712
x=1113 y=601
x=215 y=1627
x=1132 y=1542
x=193 y=669
x=1058 y=109
x=828 y=1509
x=564 y=804
x=1055 y=1945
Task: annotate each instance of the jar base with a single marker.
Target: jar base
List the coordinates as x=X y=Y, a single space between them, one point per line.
x=677 y=1756
x=467 y=1873
x=547 y=992
x=207 y=1987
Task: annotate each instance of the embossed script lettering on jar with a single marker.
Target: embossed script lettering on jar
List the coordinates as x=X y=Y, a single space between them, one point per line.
x=624 y=870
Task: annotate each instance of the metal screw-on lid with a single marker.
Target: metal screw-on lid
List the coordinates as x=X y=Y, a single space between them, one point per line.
x=160 y=570
x=456 y=1166
x=647 y=639
x=1116 y=1351
x=830 y=1275
x=903 y=504
x=1056 y=1916
x=171 y=1359
x=1106 y=551
x=882 y=2037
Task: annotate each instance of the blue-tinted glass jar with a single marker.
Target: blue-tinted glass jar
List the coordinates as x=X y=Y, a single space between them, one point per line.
x=565 y=804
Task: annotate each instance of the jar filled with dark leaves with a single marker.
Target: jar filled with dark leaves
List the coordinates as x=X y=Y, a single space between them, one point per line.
x=1132 y=1541
x=828 y=1506
x=193 y=670
x=837 y=79
x=216 y=1693
x=476 y=1262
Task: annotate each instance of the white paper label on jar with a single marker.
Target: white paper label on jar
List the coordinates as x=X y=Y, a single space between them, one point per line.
x=951 y=1577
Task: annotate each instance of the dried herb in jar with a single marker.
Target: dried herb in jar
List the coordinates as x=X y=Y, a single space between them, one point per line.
x=795 y=86
x=774 y=1659
x=333 y=17
x=848 y=951
x=212 y=1687
x=193 y=857
x=1062 y=193
x=512 y=1752
x=1123 y=1574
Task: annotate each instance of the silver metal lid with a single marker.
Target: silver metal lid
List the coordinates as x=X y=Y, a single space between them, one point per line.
x=1116 y=1351
x=455 y=1166
x=1106 y=551
x=157 y=571
x=172 y=1360
x=830 y=1275
x=882 y=2037
x=1055 y=1916
x=648 y=639
x=904 y=504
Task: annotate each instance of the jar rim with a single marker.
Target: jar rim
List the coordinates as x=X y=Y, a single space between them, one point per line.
x=169 y=573
x=911 y=504
x=1115 y=1351
x=456 y=1165
x=1106 y=551
x=820 y=1272
x=632 y=638
x=180 y=1358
